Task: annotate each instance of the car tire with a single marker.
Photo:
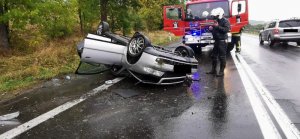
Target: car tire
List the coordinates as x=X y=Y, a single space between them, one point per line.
x=261 y=41
x=270 y=41
x=136 y=45
x=298 y=43
x=184 y=51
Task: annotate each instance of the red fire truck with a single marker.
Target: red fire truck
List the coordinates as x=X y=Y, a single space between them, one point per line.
x=193 y=20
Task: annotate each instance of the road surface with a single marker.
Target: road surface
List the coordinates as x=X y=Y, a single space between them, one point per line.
x=257 y=98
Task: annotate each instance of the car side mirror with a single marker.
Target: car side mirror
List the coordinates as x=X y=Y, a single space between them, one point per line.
x=103 y=28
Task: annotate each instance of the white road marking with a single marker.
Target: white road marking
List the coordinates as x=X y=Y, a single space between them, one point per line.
x=266 y=125
x=289 y=129
x=46 y=116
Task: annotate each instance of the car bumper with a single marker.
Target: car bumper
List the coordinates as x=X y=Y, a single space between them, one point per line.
x=160 y=70
x=295 y=38
x=205 y=39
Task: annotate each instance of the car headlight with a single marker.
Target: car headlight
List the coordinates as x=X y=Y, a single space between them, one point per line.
x=159 y=61
x=190 y=39
x=153 y=71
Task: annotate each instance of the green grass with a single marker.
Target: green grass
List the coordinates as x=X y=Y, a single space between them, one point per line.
x=22 y=71
x=58 y=57
x=252 y=32
x=161 y=37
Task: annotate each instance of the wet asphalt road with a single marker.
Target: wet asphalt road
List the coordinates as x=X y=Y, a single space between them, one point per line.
x=209 y=108
x=278 y=69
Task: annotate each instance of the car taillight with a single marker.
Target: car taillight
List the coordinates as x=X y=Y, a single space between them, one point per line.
x=276 y=31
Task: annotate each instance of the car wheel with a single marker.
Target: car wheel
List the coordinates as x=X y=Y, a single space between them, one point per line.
x=261 y=41
x=270 y=42
x=184 y=51
x=136 y=45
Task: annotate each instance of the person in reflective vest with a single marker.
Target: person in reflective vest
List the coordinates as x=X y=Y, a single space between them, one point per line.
x=236 y=40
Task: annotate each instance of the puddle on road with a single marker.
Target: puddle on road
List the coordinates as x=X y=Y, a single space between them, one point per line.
x=195 y=90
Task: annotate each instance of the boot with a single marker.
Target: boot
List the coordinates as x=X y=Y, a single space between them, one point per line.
x=222 y=67
x=213 y=68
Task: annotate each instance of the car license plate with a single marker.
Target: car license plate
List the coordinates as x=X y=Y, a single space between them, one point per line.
x=290 y=30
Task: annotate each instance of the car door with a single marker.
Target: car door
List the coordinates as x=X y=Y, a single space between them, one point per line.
x=269 y=30
x=97 y=52
x=239 y=12
x=173 y=19
x=102 y=50
x=263 y=33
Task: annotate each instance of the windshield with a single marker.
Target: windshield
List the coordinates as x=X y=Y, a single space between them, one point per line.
x=289 y=23
x=195 y=11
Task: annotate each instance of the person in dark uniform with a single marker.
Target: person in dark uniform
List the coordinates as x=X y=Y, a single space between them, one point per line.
x=219 y=31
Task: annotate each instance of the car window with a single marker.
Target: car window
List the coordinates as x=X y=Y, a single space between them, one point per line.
x=173 y=13
x=272 y=25
x=289 y=23
x=90 y=68
x=197 y=9
x=235 y=6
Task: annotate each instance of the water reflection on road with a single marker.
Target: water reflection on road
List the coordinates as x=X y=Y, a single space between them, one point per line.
x=218 y=114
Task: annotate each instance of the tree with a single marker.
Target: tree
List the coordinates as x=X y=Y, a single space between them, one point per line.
x=104 y=9
x=4 y=28
x=89 y=13
x=151 y=12
x=121 y=14
x=57 y=18
x=14 y=15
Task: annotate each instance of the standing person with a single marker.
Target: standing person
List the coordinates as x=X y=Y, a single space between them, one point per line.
x=236 y=40
x=219 y=31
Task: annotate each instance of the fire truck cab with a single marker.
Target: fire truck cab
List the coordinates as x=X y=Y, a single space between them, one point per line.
x=192 y=20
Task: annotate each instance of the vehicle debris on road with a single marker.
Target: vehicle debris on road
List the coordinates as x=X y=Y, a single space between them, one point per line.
x=10 y=116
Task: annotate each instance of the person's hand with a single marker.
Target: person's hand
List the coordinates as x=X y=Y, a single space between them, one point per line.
x=216 y=24
x=211 y=28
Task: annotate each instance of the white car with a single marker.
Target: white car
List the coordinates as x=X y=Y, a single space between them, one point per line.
x=146 y=62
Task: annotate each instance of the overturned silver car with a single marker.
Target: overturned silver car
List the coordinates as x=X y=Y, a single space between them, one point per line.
x=144 y=61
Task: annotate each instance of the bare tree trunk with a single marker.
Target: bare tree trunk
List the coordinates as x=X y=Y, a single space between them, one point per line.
x=4 y=36
x=80 y=20
x=103 y=9
x=112 y=26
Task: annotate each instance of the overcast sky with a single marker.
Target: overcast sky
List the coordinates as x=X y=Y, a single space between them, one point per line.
x=266 y=10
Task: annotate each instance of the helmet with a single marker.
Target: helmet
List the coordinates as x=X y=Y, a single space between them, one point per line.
x=217 y=12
